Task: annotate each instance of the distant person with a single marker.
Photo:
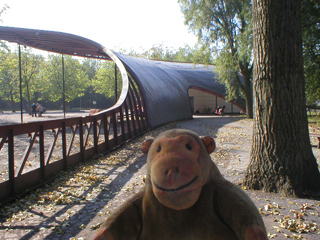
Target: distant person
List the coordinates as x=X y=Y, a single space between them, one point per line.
x=34 y=110
x=218 y=110
x=221 y=110
x=39 y=110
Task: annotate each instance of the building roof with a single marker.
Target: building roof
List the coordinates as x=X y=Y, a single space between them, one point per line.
x=165 y=86
x=51 y=41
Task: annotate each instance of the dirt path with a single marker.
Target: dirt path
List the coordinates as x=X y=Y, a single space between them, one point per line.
x=8 y=118
x=22 y=142
x=78 y=201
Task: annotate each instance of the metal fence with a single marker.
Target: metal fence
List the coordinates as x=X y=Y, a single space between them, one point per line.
x=32 y=153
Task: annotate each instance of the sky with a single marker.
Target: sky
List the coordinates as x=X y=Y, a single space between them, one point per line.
x=116 y=24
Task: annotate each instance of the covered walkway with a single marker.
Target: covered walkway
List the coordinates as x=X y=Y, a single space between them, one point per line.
x=164 y=86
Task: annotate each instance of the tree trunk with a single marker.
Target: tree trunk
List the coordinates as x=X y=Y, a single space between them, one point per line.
x=13 y=109
x=248 y=96
x=281 y=156
x=28 y=98
x=246 y=87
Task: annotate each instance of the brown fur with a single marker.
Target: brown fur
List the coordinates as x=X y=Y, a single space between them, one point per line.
x=185 y=197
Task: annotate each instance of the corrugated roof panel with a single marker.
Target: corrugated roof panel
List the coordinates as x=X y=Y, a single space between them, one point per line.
x=165 y=86
x=52 y=41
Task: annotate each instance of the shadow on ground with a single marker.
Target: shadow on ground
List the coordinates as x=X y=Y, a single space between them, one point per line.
x=75 y=206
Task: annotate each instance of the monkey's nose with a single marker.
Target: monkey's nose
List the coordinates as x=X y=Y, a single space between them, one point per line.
x=173 y=170
x=172 y=175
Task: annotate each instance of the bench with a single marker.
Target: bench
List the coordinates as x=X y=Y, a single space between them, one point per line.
x=317 y=136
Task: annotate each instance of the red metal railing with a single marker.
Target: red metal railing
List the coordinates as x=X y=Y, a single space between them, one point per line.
x=32 y=153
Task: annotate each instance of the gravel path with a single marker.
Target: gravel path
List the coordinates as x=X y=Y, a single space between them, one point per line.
x=78 y=201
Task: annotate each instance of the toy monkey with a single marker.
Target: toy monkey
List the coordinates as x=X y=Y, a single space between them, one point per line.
x=185 y=197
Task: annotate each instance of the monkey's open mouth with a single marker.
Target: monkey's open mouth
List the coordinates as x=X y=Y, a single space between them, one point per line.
x=177 y=189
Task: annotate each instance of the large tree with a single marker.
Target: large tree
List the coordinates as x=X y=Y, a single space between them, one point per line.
x=224 y=27
x=104 y=81
x=9 y=77
x=199 y=54
x=30 y=69
x=281 y=157
x=76 y=80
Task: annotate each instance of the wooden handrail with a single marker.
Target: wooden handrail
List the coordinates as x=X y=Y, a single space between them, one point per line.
x=72 y=139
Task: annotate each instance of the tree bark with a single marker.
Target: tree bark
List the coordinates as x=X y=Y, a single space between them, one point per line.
x=246 y=87
x=281 y=156
x=249 y=97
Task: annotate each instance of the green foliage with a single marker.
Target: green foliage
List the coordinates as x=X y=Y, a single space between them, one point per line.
x=198 y=54
x=312 y=78
x=90 y=66
x=226 y=67
x=9 y=76
x=30 y=69
x=311 y=48
x=104 y=80
x=158 y=52
x=3 y=9
x=42 y=77
x=76 y=80
x=224 y=27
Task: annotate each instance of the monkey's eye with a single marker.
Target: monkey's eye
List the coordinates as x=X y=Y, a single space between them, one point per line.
x=188 y=146
x=159 y=149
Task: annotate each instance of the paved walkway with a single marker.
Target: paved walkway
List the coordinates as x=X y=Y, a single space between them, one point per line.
x=78 y=201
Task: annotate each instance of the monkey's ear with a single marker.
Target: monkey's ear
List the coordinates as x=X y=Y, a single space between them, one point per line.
x=209 y=143
x=146 y=145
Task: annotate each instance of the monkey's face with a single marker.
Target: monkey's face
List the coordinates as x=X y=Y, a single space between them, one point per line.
x=176 y=170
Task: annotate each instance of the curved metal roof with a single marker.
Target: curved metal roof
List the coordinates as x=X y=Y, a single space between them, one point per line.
x=51 y=41
x=164 y=85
